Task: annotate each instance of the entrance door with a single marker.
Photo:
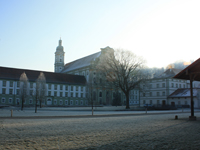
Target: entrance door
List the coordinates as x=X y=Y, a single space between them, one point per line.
x=49 y=102
x=163 y=102
x=173 y=103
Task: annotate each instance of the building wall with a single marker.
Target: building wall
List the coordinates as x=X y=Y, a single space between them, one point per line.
x=107 y=92
x=155 y=91
x=185 y=101
x=58 y=94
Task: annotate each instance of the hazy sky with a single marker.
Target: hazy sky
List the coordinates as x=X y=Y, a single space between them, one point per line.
x=162 y=31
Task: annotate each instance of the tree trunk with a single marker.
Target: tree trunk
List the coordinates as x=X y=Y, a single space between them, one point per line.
x=22 y=104
x=127 y=101
x=36 y=106
x=40 y=103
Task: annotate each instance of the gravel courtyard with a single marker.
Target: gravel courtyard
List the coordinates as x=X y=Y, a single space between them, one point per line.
x=127 y=132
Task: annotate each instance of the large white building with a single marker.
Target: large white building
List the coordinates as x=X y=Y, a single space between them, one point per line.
x=156 y=91
x=66 y=86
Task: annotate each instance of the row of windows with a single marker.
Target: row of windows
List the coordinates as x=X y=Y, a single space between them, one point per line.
x=163 y=85
x=10 y=100
x=66 y=94
x=49 y=86
x=158 y=102
x=11 y=84
x=71 y=102
x=150 y=102
x=184 y=81
x=66 y=87
x=157 y=94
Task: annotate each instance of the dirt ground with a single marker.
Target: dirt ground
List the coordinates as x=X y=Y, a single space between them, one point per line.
x=127 y=132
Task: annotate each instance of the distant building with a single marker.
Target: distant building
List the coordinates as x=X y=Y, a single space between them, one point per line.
x=157 y=90
x=62 y=89
x=181 y=97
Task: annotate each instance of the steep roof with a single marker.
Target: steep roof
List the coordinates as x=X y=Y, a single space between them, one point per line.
x=14 y=74
x=169 y=73
x=183 y=93
x=191 y=69
x=80 y=63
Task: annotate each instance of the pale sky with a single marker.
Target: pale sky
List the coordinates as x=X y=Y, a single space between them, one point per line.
x=161 y=31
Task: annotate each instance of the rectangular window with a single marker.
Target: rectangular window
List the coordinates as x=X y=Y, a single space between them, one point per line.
x=163 y=85
x=172 y=84
x=144 y=94
x=49 y=86
x=61 y=87
x=10 y=91
x=158 y=102
x=158 y=93
x=66 y=88
x=81 y=95
x=71 y=102
x=157 y=85
x=81 y=88
x=71 y=88
x=71 y=94
x=179 y=85
x=4 y=83
x=30 y=101
x=76 y=88
x=61 y=102
x=18 y=84
x=66 y=94
x=81 y=102
x=176 y=85
x=31 y=92
x=150 y=85
x=55 y=87
x=66 y=102
x=76 y=94
x=31 y=85
x=11 y=84
x=61 y=94
x=55 y=93
x=86 y=102
x=150 y=101
x=3 y=100
x=10 y=100
x=185 y=102
x=76 y=102
x=49 y=93
x=17 y=100
x=3 y=91
x=183 y=85
x=144 y=102
x=55 y=102
x=150 y=93
x=17 y=92
x=163 y=93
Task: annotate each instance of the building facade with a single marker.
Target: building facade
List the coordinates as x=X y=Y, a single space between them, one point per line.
x=156 y=91
x=61 y=89
x=104 y=94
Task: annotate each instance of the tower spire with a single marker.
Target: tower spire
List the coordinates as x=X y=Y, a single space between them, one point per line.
x=60 y=42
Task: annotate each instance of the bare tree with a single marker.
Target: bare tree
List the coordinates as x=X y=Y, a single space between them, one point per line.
x=40 y=90
x=24 y=89
x=91 y=88
x=123 y=69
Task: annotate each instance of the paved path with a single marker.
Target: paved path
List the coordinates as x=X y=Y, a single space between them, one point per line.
x=142 y=132
x=77 y=111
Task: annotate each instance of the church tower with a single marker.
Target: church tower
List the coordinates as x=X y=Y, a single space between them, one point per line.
x=59 y=57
